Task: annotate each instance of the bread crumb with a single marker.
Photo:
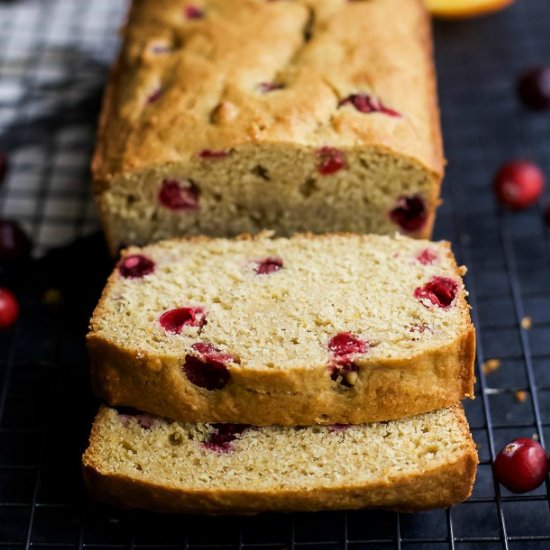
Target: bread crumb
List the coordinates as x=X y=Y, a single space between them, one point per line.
x=526 y=323
x=535 y=437
x=520 y=396
x=490 y=366
x=52 y=297
x=351 y=378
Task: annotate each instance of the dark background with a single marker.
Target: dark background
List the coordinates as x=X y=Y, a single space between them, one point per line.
x=54 y=56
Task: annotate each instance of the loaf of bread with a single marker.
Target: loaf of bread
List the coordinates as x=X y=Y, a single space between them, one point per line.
x=313 y=329
x=428 y=461
x=231 y=116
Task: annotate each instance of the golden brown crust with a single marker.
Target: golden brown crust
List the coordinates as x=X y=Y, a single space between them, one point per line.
x=126 y=138
x=385 y=389
x=435 y=125
x=438 y=487
x=219 y=60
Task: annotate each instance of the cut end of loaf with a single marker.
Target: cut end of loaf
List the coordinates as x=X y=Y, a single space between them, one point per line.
x=287 y=189
x=417 y=463
x=291 y=116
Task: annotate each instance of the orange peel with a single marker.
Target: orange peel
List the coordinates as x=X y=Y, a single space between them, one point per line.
x=455 y=9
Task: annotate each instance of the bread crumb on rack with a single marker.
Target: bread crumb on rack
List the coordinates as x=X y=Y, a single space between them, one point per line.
x=526 y=323
x=490 y=366
x=520 y=396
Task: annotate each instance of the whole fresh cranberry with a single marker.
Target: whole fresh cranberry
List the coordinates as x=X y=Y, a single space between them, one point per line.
x=521 y=465
x=15 y=244
x=3 y=166
x=9 y=309
x=534 y=88
x=518 y=184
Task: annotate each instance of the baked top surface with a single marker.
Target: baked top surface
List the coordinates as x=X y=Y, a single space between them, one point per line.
x=223 y=74
x=214 y=457
x=315 y=289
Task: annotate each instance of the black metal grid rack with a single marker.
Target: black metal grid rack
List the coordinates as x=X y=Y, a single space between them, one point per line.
x=54 y=56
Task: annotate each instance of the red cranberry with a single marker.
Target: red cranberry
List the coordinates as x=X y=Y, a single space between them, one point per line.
x=154 y=96
x=518 y=184
x=222 y=438
x=417 y=328
x=3 y=166
x=266 y=87
x=210 y=375
x=367 y=104
x=345 y=344
x=211 y=352
x=522 y=465
x=343 y=347
x=268 y=265
x=331 y=160
x=136 y=266
x=427 y=256
x=175 y=319
x=145 y=420
x=15 y=245
x=9 y=309
x=179 y=195
x=534 y=88
x=210 y=370
x=440 y=291
x=332 y=428
x=193 y=12
x=409 y=213
x=213 y=154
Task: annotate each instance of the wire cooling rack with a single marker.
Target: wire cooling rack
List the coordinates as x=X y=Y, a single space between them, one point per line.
x=54 y=56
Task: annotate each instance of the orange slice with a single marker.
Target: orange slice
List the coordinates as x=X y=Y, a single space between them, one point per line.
x=464 y=8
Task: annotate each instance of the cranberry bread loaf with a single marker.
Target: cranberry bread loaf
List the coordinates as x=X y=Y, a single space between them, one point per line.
x=231 y=116
x=419 y=463
x=313 y=329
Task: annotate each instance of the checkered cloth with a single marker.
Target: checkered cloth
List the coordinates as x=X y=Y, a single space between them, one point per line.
x=54 y=58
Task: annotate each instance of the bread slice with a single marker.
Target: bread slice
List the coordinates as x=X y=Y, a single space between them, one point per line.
x=419 y=463
x=312 y=329
x=231 y=116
